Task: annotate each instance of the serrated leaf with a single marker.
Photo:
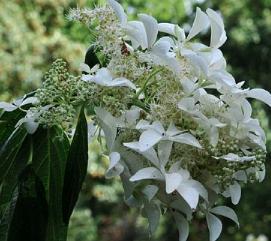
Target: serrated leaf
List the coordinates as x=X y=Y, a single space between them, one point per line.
x=76 y=167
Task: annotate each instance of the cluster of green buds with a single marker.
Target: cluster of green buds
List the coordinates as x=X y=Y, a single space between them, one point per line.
x=60 y=95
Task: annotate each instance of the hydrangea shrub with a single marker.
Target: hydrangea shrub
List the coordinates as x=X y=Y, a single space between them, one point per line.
x=178 y=127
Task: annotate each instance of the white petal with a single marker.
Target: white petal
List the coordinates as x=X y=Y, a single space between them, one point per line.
x=108 y=124
x=235 y=192
x=262 y=173
x=186 y=138
x=168 y=28
x=137 y=32
x=190 y=195
x=226 y=212
x=246 y=109
x=183 y=226
x=214 y=226
x=118 y=9
x=133 y=145
x=103 y=75
x=213 y=136
x=200 y=23
x=147 y=173
x=157 y=126
x=223 y=77
x=187 y=104
x=183 y=172
x=115 y=168
x=218 y=34
x=122 y=82
x=92 y=128
x=172 y=130
x=162 y=47
x=143 y=124
x=199 y=63
x=173 y=180
x=7 y=106
x=87 y=78
x=151 y=155
x=132 y=115
x=84 y=68
x=164 y=151
x=199 y=187
x=30 y=100
x=151 y=27
x=30 y=125
x=260 y=94
x=148 y=139
x=172 y=29
x=240 y=176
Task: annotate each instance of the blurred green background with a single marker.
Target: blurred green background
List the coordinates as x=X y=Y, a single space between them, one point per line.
x=35 y=32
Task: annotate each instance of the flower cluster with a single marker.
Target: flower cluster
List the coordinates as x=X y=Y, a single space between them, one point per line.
x=179 y=129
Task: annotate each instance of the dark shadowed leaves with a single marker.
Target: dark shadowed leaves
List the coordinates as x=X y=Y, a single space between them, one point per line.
x=91 y=58
x=30 y=213
x=76 y=167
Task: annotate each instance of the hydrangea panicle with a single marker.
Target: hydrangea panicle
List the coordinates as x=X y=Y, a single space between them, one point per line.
x=179 y=129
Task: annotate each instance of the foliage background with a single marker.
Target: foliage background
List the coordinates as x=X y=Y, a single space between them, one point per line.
x=35 y=32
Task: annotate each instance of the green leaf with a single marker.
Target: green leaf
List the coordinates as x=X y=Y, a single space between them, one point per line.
x=50 y=149
x=30 y=215
x=10 y=183
x=8 y=120
x=9 y=150
x=76 y=167
x=11 y=180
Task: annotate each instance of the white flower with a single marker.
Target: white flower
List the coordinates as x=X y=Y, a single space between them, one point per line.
x=110 y=124
x=141 y=33
x=115 y=168
x=162 y=54
x=7 y=106
x=119 y=11
x=155 y=132
x=104 y=77
x=175 y=179
x=18 y=103
x=200 y=23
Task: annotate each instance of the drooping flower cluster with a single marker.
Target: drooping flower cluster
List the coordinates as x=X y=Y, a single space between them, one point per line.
x=179 y=129
x=184 y=135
